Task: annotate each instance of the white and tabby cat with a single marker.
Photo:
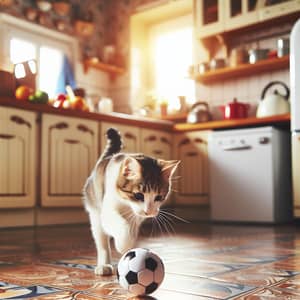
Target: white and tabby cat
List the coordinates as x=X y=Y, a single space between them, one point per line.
x=122 y=191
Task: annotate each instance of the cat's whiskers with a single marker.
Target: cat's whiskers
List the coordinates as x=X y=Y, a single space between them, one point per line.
x=173 y=215
x=168 y=226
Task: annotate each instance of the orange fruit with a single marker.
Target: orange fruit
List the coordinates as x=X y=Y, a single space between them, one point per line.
x=23 y=92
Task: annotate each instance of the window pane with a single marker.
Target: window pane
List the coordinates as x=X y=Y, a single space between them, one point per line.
x=50 y=65
x=21 y=50
x=171 y=62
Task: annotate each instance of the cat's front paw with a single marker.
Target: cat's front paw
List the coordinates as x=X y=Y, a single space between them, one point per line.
x=105 y=270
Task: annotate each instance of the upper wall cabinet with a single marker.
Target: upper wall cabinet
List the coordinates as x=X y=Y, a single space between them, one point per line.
x=17 y=158
x=239 y=13
x=209 y=17
x=69 y=152
x=283 y=7
x=217 y=16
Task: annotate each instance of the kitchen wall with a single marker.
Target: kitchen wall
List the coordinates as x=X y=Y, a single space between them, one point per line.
x=112 y=19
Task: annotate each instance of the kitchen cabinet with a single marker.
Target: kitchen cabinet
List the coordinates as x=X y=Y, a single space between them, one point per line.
x=156 y=144
x=209 y=17
x=285 y=7
x=69 y=152
x=296 y=172
x=240 y=13
x=18 y=153
x=130 y=136
x=191 y=149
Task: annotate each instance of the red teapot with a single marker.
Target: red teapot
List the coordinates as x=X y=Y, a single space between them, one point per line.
x=235 y=110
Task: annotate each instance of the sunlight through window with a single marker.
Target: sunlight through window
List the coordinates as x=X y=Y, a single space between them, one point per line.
x=172 y=54
x=50 y=67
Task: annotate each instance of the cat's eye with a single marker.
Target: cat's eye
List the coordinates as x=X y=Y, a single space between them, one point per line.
x=158 y=198
x=139 y=196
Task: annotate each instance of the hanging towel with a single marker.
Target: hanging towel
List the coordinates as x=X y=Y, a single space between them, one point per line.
x=66 y=77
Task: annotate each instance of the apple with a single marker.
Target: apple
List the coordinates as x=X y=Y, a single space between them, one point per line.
x=78 y=103
x=59 y=100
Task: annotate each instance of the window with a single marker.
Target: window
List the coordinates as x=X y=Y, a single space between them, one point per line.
x=25 y=41
x=161 y=54
x=172 y=54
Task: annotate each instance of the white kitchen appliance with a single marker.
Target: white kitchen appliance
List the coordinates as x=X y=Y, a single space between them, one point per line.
x=250 y=178
x=295 y=113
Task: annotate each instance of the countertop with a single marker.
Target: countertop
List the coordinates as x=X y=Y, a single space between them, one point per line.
x=146 y=122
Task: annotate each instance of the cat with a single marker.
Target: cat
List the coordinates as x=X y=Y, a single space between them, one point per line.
x=122 y=191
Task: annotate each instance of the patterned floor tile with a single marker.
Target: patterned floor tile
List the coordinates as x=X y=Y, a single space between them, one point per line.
x=12 y=291
x=203 y=287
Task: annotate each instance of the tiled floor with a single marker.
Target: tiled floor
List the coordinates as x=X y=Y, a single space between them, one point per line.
x=202 y=262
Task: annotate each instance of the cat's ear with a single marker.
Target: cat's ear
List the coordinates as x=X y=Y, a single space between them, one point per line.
x=168 y=167
x=131 y=169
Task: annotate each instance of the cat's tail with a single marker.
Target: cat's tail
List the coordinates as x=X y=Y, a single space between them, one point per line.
x=113 y=145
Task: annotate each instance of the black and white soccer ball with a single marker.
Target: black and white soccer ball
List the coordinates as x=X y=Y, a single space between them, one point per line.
x=140 y=271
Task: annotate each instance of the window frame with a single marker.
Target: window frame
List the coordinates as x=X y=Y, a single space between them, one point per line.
x=12 y=27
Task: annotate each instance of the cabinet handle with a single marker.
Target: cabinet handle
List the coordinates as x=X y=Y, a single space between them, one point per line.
x=129 y=135
x=84 y=128
x=191 y=154
x=164 y=140
x=150 y=138
x=7 y=136
x=20 y=121
x=61 y=125
x=157 y=152
x=184 y=142
x=69 y=141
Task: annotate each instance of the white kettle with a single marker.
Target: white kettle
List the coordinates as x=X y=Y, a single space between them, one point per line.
x=275 y=103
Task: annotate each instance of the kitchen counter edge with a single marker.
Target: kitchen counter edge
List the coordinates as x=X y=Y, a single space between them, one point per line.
x=133 y=120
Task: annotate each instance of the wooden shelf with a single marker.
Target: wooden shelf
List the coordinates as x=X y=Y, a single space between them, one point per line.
x=95 y=63
x=243 y=70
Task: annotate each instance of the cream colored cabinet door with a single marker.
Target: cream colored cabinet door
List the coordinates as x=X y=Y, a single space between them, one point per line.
x=241 y=13
x=209 y=17
x=130 y=136
x=279 y=9
x=69 y=153
x=18 y=158
x=157 y=144
x=191 y=149
x=296 y=172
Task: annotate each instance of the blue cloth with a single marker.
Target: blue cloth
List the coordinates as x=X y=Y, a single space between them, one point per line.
x=66 y=77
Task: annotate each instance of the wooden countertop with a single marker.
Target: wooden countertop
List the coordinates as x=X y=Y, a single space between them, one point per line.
x=278 y=120
x=120 y=118
x=150 y=123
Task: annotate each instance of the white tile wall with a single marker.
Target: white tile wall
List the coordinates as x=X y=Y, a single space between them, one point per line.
x=246 y=89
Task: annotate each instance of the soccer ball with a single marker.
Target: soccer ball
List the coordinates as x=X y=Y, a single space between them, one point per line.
x=140 y=271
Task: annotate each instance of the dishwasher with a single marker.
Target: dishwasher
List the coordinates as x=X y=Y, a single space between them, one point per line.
x=250 y=175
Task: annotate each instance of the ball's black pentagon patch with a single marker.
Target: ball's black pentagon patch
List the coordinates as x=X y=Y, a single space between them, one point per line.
x=131 y=277
x=151 y=288
x=151 y=264
x=130 y=255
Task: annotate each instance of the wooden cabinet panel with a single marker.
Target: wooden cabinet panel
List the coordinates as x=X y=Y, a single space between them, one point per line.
x=209 y=17
x=130 y=136
x=193 y=186
x=17 y=158
x=69 y=152
x=156 y=144
x=241 y=13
